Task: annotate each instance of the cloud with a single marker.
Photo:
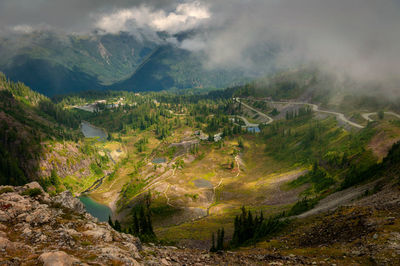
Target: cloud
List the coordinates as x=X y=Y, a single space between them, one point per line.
x=186 y=16
x=360 y=38
x=23 y=28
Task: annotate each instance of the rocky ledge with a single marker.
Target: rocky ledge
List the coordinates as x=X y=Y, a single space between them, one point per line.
x=36 y=229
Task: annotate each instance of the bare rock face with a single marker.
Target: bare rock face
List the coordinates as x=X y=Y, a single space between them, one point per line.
x=67 y=200
x=57 y=258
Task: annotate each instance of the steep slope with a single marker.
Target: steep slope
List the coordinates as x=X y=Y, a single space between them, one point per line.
x=27 y=119
x=50 y=78
x=40 y=140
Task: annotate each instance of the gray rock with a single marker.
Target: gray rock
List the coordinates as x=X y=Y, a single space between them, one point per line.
x=57 y=258
x=67 y=200
x=39 y=216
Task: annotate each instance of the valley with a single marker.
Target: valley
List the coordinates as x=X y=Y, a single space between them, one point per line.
x=200 y=158
x=191 y=132
x=198 y=184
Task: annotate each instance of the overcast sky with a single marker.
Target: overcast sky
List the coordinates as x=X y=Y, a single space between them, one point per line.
x=360 y=37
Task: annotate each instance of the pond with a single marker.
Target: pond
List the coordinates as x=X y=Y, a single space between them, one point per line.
x=159 y=160
x=96 y=209
x=253 y=129
x=90 y=131
x=202 y=183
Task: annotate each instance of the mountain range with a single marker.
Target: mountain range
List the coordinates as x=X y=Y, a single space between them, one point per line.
x=54 y=63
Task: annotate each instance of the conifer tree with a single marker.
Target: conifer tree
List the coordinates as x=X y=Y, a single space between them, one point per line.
x=117 y=226
x=110 y=222
x=213 y=249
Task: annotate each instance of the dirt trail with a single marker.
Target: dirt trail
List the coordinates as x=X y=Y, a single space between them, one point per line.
x=166 y=196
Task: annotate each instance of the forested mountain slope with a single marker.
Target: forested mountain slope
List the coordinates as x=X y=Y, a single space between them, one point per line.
x=55 y=63
x=27 y=120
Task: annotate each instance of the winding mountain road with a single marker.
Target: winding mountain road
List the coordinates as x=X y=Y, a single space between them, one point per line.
x=246 y=122
x=367 y=116
x=315 y=108
x=270 y=119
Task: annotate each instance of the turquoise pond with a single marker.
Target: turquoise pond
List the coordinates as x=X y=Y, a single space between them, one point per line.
x=159 y=160
x=96 y=209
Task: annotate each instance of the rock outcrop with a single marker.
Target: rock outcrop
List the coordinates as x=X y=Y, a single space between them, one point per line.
x=37 y=229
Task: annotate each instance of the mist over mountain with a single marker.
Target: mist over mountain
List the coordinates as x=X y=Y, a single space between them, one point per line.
x=103 y=43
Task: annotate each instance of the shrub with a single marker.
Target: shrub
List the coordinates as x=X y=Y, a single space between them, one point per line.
x=302 y=206
x=5 y=190
x=32 y=192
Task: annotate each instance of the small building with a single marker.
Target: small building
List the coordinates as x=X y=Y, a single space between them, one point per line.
x=217 y=137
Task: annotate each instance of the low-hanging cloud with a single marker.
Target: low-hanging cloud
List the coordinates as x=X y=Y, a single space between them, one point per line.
x=360 y=38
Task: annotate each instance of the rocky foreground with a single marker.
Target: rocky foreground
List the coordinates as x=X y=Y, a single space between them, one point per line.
x=36 y=229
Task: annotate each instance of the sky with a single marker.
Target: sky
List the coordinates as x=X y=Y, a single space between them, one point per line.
x=358 y=37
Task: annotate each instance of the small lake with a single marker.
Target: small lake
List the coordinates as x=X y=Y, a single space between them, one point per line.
x=253 y=129
x=202 y=183
x=159 y=160
x=96 y=209
x=90 y=131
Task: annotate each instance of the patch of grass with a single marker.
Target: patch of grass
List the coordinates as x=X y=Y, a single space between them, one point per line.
x=86 y=243
x=302 y=206
x=32 y=192
x=192 y=196
x=318 y=177
x=6 y=190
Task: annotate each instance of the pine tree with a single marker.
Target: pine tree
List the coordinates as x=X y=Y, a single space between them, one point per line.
x=213 y=249
x=142 y=221
x=136 y=229
x=222 y=239
x=117 y=226
x=219 y=239
x=110 y=222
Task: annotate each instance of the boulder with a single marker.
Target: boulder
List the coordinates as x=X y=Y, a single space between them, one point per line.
x=5 y=243
x=99 y=233
x=117 y=254
x=39 y=216
x=57 y=258
x=67 y=200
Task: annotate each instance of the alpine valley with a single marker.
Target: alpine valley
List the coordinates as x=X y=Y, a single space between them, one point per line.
x=199 y=133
